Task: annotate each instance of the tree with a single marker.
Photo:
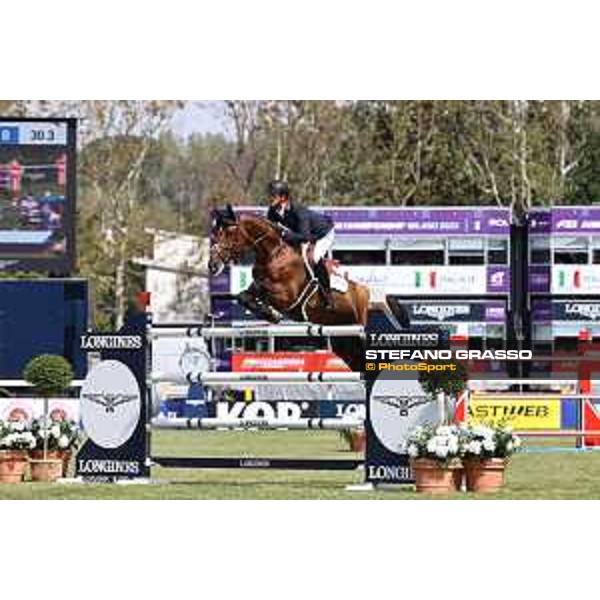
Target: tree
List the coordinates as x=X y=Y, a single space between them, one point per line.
x=120 y=136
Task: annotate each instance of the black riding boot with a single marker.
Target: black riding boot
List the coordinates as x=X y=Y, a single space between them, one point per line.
x=324 y=284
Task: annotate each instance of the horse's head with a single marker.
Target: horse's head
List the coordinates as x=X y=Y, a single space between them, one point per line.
x=233 y=236
x=227 y=240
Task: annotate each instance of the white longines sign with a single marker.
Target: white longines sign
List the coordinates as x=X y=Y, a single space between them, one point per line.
x=110 y=404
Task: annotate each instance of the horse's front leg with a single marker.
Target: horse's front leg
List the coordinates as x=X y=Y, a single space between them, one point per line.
x=252 y=300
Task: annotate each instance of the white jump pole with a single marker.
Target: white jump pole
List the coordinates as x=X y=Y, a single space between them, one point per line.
x=21 y=383
x=260 y=377
x=242 y=331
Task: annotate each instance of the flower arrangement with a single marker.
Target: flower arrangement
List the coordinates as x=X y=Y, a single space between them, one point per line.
x=16 y=435
x=482 y=441
x=440 y=443
x=55 y=434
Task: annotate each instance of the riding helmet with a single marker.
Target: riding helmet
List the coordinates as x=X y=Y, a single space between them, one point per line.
x=278 y=188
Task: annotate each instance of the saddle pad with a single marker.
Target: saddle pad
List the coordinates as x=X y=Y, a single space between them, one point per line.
x=338 y=283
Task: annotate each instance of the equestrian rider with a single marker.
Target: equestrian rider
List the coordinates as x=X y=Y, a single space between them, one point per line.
x=303 y=226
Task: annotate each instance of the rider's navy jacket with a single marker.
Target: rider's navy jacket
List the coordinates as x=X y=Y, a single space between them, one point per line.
x=305 y=225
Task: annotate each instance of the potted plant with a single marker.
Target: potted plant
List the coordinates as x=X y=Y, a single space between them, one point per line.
x=435 y=458
x=485 y=451
x=15 y=440
x=50 y=375
x=59 y=437
x=450 y=382
x=356 y=438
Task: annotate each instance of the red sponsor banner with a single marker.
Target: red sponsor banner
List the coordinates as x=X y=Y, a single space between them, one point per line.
x=287 y=361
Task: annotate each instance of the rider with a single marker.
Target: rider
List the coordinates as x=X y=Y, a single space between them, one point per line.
x=302 y=227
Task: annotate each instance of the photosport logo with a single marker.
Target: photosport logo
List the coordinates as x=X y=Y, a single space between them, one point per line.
x=110 y=404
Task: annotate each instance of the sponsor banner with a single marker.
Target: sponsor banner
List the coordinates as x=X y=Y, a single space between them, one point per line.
x=576 y=279
x=406 y=221
x=455 y=311
x=289 y=410
x=540 y=222
x=396 y=402
x=112 y=404
x=421 y=280
x=566 y=220
x=539 y=278
x=422 y=222
x=410 y=280
x=287 y=361
x=537 y=413
x=575 y=310
x=33 y=408
x=498 y=279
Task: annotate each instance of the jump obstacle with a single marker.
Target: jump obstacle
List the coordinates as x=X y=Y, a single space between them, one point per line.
x=134 y=458
x=95 y=462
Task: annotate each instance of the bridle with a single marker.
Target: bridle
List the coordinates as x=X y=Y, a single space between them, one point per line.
x=235 y=254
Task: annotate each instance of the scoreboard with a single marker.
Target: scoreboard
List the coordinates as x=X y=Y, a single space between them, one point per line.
x=37 y=195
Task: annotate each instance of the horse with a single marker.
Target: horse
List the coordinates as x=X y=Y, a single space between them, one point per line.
x=284 y=283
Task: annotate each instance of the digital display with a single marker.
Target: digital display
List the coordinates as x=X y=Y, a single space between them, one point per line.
x=37 y=194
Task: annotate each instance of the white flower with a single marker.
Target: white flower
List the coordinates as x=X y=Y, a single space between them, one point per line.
x=453 y=445
x=55 y=431
x=442 y=451
x=413 y=451
x=474 y=447
x=432 y=445
x=516 y=441
x=63 y=441
x=509 y=446
x=489 y=445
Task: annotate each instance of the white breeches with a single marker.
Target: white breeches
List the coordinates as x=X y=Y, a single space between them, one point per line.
x=322 y=246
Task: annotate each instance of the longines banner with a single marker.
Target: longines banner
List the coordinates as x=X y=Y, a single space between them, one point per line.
x=112 y=406
x=455 y=311
x=396 y=401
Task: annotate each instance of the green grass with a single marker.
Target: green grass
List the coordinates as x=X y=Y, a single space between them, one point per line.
x=529 y=476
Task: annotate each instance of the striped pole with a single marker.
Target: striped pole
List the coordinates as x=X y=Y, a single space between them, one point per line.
x=260 y=377
x=242 y=331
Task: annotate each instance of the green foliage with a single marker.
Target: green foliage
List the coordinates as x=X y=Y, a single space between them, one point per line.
x=135 y=175
x=50 y=374
x=450 y=382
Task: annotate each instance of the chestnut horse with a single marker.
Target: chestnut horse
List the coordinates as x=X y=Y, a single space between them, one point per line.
x=283 y=286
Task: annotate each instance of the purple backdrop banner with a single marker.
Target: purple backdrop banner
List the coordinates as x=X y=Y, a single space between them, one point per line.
x=493 y=221
x=565 y=220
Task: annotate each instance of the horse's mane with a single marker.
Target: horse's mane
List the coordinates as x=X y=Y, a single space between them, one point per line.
x=260 y=219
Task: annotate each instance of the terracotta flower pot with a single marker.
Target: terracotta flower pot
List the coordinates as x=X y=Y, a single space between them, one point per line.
x=48 y=469
x=485 y=476
x=432 y=477
x=13 y=464
x=358 y=441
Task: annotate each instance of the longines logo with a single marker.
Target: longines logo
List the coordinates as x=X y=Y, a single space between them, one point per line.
x=401 y=402
x=110 y=404
x=111 y=342
x=591 y=311
x=441 y=312
x=416 y=339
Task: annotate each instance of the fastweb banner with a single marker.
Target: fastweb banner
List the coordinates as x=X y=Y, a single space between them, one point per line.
x=540 y=412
